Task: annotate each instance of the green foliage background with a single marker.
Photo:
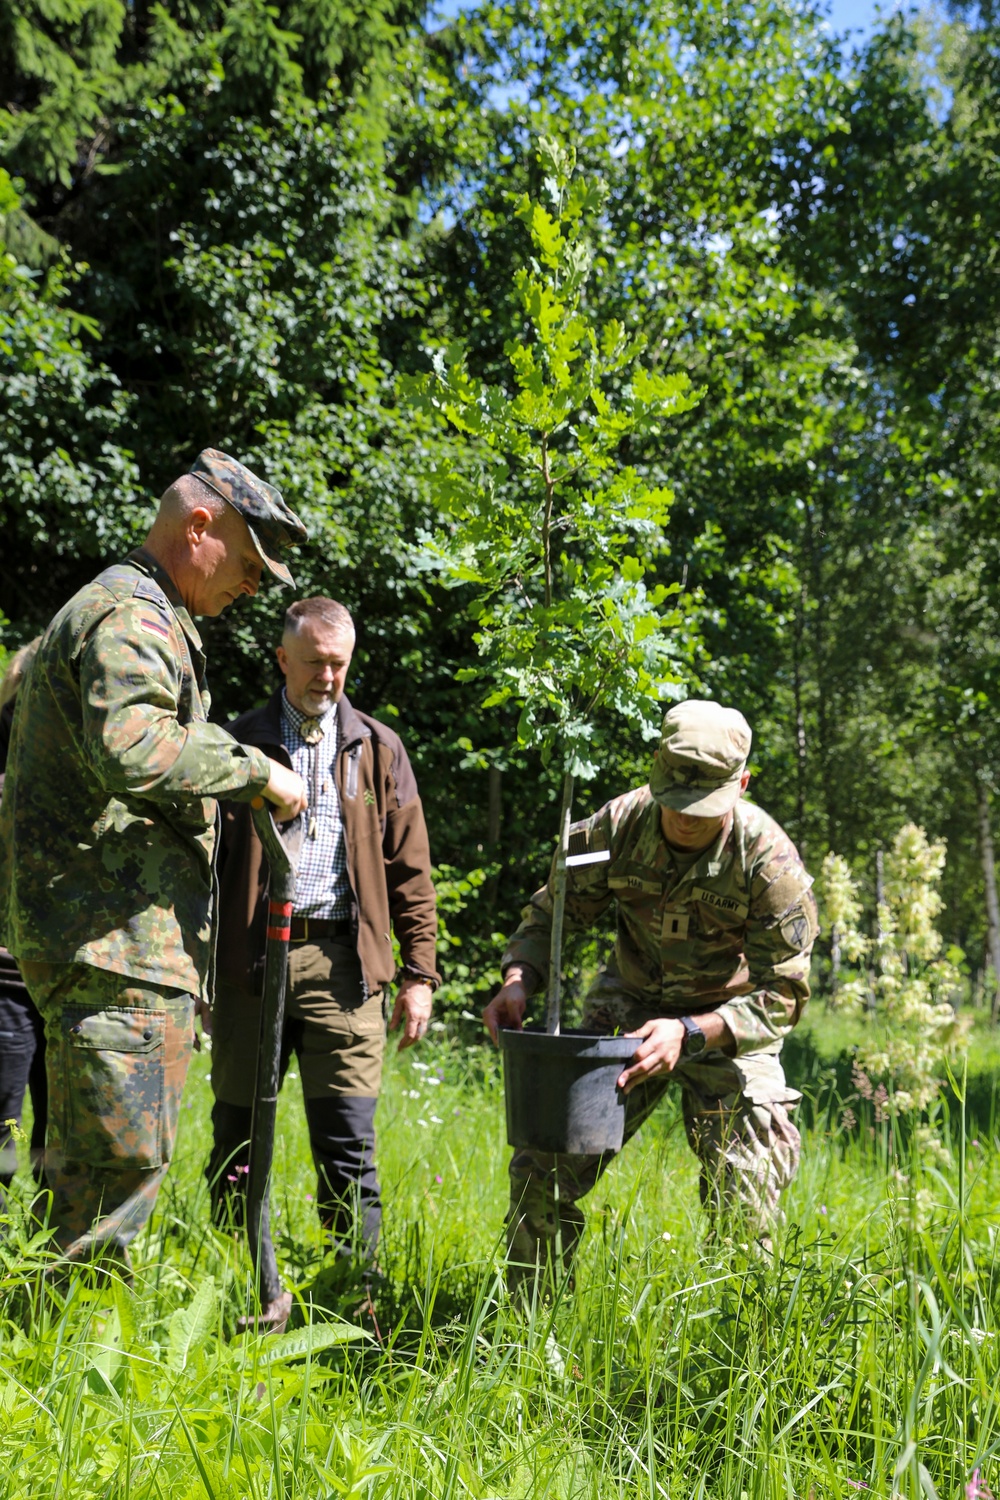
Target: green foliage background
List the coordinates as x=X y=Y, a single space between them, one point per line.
x=263 y=226
x=246 y=224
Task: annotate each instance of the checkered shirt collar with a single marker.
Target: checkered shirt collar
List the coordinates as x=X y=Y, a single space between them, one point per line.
x=297 y=718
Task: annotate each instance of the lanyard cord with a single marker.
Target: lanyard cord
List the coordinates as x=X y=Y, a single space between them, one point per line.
x=314 y=795
x=312 y=732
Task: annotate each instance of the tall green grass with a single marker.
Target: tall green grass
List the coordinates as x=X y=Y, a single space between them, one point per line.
x=864 y=1358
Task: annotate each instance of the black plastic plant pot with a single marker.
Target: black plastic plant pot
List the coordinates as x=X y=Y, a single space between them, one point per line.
x=561 y=1092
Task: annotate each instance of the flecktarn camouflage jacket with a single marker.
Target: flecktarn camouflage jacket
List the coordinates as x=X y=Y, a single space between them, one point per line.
x=108 y=820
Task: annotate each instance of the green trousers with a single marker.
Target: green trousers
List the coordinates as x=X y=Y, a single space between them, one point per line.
x=117 y=1053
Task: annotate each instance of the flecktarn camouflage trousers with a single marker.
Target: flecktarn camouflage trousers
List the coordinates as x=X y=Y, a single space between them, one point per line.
x=736 y=1117
x=117 y=1053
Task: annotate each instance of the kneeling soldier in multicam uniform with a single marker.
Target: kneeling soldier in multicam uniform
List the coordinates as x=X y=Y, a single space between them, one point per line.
x=710 y=971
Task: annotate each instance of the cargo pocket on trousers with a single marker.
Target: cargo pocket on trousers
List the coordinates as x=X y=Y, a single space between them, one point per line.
x=368 y=1018
x=112 y=1084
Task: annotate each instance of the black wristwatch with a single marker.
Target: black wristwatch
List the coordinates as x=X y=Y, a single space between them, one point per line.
x=695 y=1041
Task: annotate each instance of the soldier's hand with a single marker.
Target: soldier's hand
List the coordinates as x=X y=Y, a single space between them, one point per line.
x=507 y=1006
x=414 y=1001
x=287 y=791
x=660 y=1052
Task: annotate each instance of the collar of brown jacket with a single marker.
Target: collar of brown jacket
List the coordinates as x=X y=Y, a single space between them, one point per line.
x=262 y=727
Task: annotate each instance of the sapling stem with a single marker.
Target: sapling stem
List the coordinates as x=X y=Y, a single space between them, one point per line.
x=552 y=1010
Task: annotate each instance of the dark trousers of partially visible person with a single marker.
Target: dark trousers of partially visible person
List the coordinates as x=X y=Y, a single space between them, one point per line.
x=737 y=1123
x=22 y=1071
x=116 y=1056
x=336 y=1032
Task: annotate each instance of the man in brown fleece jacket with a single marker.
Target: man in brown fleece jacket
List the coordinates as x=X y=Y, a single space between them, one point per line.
x=364 y=873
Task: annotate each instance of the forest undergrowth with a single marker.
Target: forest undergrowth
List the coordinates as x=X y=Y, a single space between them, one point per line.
x=864 y=1357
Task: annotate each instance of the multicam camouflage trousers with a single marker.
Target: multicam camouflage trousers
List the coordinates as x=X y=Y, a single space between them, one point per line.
x=736 y=1118
x=117 y=1052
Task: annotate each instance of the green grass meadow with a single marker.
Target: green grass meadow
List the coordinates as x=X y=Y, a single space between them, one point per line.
x=865 y=1358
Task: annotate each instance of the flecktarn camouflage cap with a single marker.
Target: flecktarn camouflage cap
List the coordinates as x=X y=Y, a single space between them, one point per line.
x=272 y=525
x=703 y=753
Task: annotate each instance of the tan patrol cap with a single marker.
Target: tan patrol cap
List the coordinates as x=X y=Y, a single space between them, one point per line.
x=702 y=756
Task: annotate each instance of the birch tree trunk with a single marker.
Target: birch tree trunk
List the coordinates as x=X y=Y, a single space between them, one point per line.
x=990 y=882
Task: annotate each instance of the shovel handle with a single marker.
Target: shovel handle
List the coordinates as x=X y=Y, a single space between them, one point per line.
x=280 y=851
x=282 y=859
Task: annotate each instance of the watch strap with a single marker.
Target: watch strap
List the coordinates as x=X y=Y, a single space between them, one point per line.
x=695 y=1040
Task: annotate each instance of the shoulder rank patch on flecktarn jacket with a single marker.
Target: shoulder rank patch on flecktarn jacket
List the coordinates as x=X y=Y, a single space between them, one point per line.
x=734 y=931
x=107 y=826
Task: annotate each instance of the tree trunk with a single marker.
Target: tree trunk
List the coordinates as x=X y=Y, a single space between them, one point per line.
x=494 y=810
x=494 y=823
x=801 y=746
x=990 y=882
x=552 y=1009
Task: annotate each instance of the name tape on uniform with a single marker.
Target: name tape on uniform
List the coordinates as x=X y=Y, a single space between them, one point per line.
x=721 y=903
x=596 y=857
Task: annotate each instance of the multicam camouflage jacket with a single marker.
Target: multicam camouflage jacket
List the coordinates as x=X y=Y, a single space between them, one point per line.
x=108 y=820
x=731 y=932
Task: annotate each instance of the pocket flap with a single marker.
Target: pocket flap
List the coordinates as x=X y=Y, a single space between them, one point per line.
x=114 y=1030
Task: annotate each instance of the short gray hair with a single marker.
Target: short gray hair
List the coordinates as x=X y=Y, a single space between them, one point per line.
x=327 y=611
x=190 y=493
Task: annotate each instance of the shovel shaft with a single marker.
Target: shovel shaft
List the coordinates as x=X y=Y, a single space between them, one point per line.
x=265 y=1107
x=281 y=860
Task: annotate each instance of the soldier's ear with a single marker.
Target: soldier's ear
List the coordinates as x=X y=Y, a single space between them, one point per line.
x=282 y=657
x=198 y=521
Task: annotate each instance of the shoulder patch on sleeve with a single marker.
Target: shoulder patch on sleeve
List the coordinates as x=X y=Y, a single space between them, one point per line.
x=579 y=842
x=784 y=892
x=155 y=627
x=798 y=927
x=586 y=845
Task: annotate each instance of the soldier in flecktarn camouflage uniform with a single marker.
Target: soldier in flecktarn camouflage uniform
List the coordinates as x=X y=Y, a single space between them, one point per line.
x=710 y=971
x=107 y=840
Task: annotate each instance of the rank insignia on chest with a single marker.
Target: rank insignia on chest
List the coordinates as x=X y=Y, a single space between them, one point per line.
x=675 y=926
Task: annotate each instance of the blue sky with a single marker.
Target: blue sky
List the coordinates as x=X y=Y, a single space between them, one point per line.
x=856 y=14
x=845 y=15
